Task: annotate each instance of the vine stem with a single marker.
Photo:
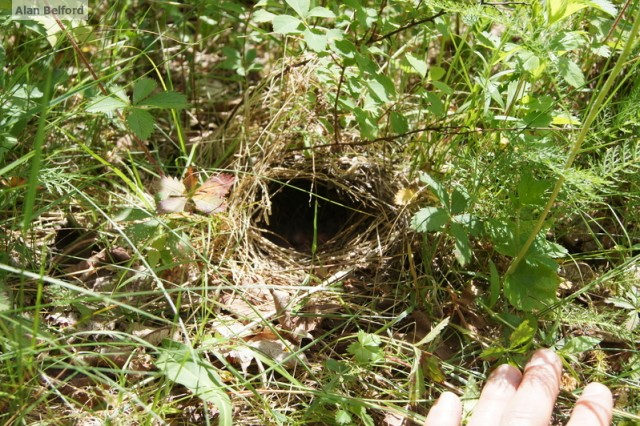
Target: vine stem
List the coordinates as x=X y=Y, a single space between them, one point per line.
x=594 y=110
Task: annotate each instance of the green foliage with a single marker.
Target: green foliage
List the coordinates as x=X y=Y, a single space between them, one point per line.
x=367 y=349
x=139 y=120
x=180 y=364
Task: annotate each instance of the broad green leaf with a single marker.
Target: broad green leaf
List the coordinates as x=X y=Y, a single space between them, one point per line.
x=261 y=16
x=143 y=88
x=459 y=201
x=285 y=24
x=577 y=345
x=367 y=125
x=521 y=337
x=167 y=100
x=556 y=10
x=493 y=353
x=199 y=376
x=438 y=189
x=346 y=50
x=105 y=104
x=570 y=72
x=531 y=288
x=316 y=41
x=461 y=240
x=140 y=122
x=430 y=219
x=300 y=6
x=378 y=90
x=531 y=191
x=320 y=12
x=399 y=122
x=435 y=104
x=417 y=64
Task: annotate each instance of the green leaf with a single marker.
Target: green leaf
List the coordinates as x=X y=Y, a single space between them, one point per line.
x=105 y=104
x=399 y=122
x=531 y=288
x=166 y=100
x=577 y=345
x=439 y=190
x=143 y=88
x=261 y=16
x=417 y=64
x=461 y=240
x=494 y=285
x=531 y=191
x=366 y=349
x=570 y=72
x=522 y=336
x=493 y=353
x=285 y=24
x=316 y=41
x=320 y=12
x=343 y=417
x=182 y=366
x=300 y=6
x=430 y=219
x=140 y=122
x=459 y=201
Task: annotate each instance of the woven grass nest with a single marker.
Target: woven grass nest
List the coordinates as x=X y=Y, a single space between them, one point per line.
x=317 y=214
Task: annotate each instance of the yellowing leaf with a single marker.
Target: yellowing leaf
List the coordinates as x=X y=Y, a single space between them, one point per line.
x=404 y=196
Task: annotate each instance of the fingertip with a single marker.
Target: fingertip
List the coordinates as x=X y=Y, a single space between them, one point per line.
x=545 y=357
x=594 y=407
x=447 y=411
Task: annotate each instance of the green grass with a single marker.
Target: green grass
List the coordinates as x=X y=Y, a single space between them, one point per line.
x=511 y=130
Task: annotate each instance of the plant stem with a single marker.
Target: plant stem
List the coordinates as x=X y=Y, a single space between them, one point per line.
x=594 y=110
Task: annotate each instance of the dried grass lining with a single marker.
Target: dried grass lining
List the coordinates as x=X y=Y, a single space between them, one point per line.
x=371 y=232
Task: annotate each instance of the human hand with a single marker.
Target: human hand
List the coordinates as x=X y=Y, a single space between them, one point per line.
x=511 y=398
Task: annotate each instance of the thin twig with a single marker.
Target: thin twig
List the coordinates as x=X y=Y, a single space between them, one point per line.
x=406 y=27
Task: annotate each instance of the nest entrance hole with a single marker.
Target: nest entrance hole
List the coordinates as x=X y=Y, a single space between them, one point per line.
x=305 y=212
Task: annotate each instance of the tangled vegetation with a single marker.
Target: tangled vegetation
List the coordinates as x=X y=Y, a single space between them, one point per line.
x=315 y=212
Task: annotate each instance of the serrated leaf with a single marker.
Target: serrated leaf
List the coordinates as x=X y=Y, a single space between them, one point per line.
x=419 y=65
x=140 y=122
x=435 y=332
x=286 y=24
x=531 y=288
x=300 y=6
x=430 y=219
x=521 y=336
x=170 y=187
x=342 y=417
x=570 y=72
x=167 y=100
x=143 y=88
x=320 y=12
x=178 y=364
x=105 y=104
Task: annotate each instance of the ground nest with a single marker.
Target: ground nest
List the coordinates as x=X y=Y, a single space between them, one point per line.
x=333 y=212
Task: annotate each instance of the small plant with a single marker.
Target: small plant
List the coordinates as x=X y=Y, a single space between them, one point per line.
x=136 y=110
